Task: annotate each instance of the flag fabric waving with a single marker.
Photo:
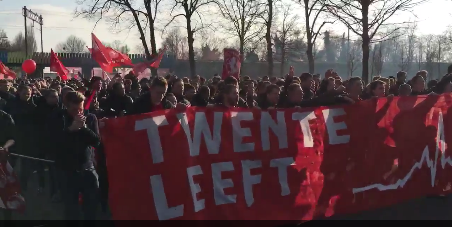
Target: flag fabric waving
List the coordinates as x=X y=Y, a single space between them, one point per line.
x=118 y=58
x=100 y=54
x=153 y=63
x=6 y=71
x=57 y=66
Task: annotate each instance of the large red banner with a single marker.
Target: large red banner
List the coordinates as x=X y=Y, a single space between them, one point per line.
x=288 y=164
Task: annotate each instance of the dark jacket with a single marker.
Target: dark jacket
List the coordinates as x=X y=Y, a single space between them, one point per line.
x=23 y=114
x=115 y=104
x=7 y=96
x=73 y=151
x=181 y=99
x=42 y=114
x=144 y=105
x=7 y=126
x=198 y=100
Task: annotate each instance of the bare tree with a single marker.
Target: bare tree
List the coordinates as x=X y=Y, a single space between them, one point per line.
x=19 y=40
x=268 y=17
x=191 y=11
x=73 y=44
x=365 y=18
x=314 y=10
x=173 y=42
x=377 y=59
x=429 y=51
x=354 y=57
x=118 y=45
x=214 y=42
x=242 y=18
x=124 y=15
x=286 y=27
x=4 y=42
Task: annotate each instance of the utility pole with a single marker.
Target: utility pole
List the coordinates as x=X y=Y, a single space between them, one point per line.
x=27 y=13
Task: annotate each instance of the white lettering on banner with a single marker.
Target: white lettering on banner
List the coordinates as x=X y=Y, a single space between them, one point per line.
x=238 y=132
x=282 y=164
x=332 y=127
x=202 y=127
x=161 y=203
x=304 y=119
x=220 y=184
x=195 y=188
x=279 y=129
x=151 y=126
x=432 y=164
x=250 y=180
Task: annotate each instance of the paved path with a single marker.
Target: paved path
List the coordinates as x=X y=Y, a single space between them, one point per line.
x=40 y=207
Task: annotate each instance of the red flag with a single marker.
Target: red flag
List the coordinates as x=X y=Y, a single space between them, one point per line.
x=231 y=64
x=118 y=58
x=90 y=99
x=100 y=54
x=10 y=191
x=57 y=66
x=153 y=63
x=6 y=71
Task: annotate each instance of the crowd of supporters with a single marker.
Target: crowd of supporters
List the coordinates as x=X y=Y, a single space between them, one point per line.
x=45 y=118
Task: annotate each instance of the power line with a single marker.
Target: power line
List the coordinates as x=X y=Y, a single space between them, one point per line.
x=47 y=27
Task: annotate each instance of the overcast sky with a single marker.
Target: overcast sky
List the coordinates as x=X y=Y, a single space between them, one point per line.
x=433 y=18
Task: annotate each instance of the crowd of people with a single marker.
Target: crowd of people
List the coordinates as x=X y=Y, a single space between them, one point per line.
x=46 y=118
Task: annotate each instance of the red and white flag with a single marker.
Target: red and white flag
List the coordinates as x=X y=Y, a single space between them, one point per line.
x=57 y=66
x=10 y=191
x=118 y=58
x=100 y=54
x=153 y=63
x=232 y=63
x=6 y=71
x=107 y=57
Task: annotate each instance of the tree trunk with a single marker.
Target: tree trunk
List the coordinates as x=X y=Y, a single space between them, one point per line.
x=310 y=55
x=191 y=50
x=140 y=29
x=283 y=59
x=268 y=38
x=309 y=37
x=153 y=45
x=366 y=42
x=242 y=50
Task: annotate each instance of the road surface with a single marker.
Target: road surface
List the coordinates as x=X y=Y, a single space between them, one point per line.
x=40 y=207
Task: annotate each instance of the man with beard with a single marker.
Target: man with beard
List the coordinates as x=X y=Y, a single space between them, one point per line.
x=75 y=134
x=229 y=96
